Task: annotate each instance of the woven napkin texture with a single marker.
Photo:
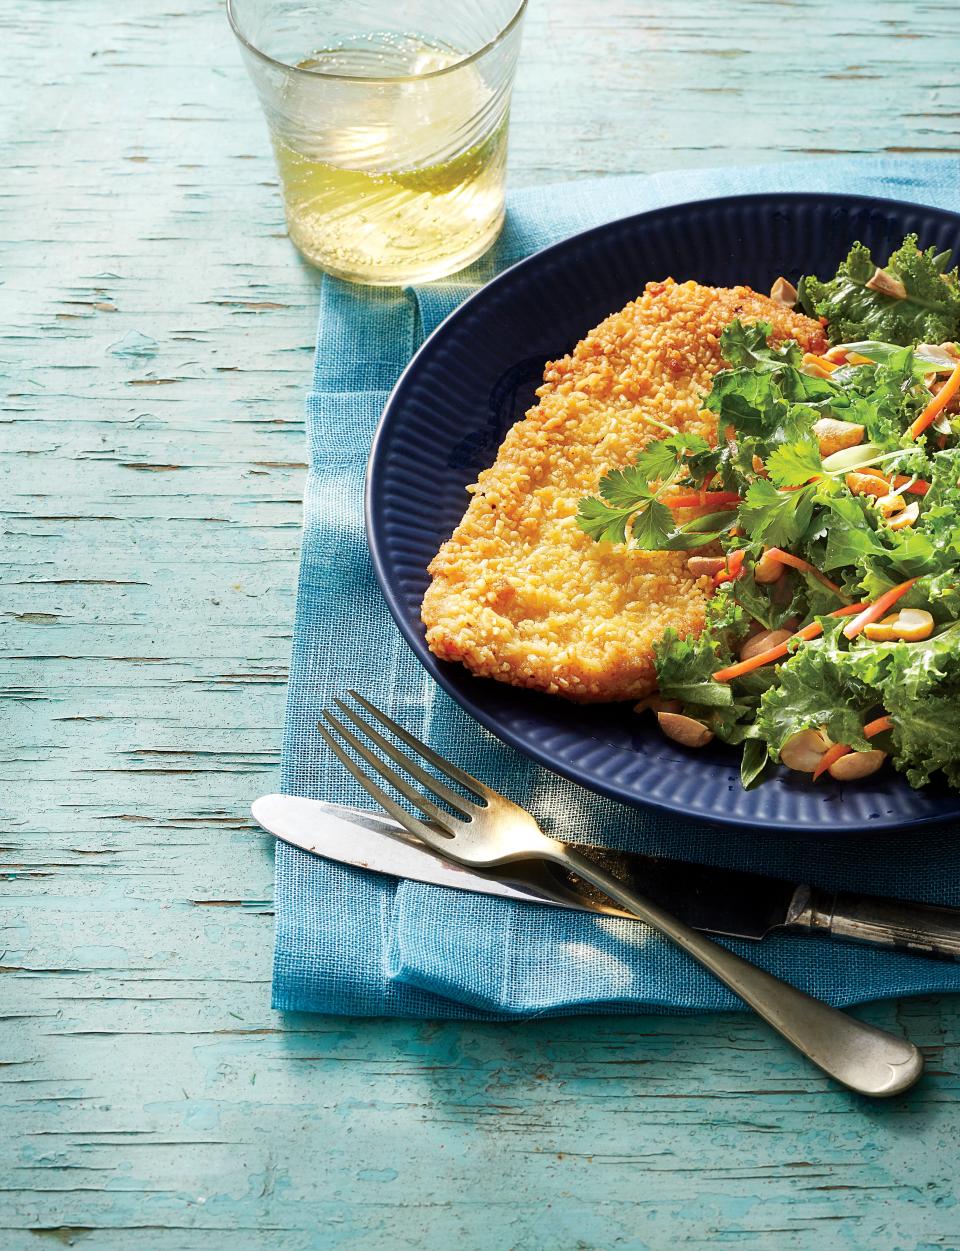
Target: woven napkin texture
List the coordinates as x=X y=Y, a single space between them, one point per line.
x=352 y=942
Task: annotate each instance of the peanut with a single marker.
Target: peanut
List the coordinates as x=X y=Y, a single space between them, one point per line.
x=784 y=292
x=890 y=504
x=886 y=284
x=760 y=642
x=906 y=518
x=802 y=751
x=768 y=569
x=910 y=625
x=685 y=730
x=914 y=625
x=866 y=483
x=705 y=566
x=882 y=631
x=857 y=764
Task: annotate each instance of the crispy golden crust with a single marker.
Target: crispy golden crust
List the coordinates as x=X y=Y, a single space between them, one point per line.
x=519 y=593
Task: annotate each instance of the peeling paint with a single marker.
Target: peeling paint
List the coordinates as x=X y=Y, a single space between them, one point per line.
x=150 y=1097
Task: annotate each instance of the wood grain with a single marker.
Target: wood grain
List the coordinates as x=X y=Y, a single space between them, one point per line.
x=151 y=522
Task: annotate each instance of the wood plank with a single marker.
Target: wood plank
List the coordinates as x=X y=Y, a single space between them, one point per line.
x=151 y=509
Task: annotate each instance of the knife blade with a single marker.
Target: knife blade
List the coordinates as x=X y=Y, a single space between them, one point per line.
x=730 y=902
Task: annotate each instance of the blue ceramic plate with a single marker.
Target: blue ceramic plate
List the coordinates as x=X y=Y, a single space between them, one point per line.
x=476 y=375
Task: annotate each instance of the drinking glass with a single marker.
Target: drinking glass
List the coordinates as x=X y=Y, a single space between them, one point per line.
x=389 y=125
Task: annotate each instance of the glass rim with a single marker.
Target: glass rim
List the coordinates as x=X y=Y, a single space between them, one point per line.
x=374 y=78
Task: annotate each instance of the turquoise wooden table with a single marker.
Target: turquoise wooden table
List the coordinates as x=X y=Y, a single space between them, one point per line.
x=157 y=337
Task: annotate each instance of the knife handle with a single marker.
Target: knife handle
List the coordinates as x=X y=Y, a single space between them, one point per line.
x=923 y=929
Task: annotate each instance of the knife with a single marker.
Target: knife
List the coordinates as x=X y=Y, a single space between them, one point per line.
x=730 y=902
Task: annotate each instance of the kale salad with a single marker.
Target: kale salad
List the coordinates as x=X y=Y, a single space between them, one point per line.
x=826 y=524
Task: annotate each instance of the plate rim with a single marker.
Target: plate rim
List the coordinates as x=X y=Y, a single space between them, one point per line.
x=415 y=639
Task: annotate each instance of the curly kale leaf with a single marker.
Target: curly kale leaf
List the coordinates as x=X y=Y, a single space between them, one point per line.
x=685 y=666
x=817 y=688
x=919 y=685
x=929 y=312
x=926 y=737
x=827 y=683
x=884 y=398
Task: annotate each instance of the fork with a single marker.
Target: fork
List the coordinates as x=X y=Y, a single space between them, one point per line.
x=497 y=831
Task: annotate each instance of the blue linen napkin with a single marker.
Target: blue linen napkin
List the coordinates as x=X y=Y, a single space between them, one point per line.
x=352 y=942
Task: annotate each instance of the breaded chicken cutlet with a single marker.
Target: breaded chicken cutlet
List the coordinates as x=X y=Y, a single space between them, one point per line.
x=519 y=593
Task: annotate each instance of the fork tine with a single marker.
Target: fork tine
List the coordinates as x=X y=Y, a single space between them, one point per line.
x=445 y=766
x=426 y=806
x=432 y=783
x=380 y=796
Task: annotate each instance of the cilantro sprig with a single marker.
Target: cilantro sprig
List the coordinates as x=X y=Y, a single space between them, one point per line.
x=629 y=506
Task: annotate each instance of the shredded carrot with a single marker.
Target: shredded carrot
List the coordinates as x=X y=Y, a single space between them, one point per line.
x=879 y=608
x=936 y=405
x=797 y=562
x=829 y=756
x=732 y=569
x=696 y=499
x=832 y=754
x=764 y=658
x=811 y=631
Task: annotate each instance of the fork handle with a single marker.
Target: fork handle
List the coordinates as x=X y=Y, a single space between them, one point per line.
x=866 y=1059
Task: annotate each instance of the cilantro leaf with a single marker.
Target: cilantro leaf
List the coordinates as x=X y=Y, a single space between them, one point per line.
x=663 y=458
x=652 y=527
x=630 y=487
x=794 y=464
x=603 y=523
x=773 y=517
x=930 y=312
